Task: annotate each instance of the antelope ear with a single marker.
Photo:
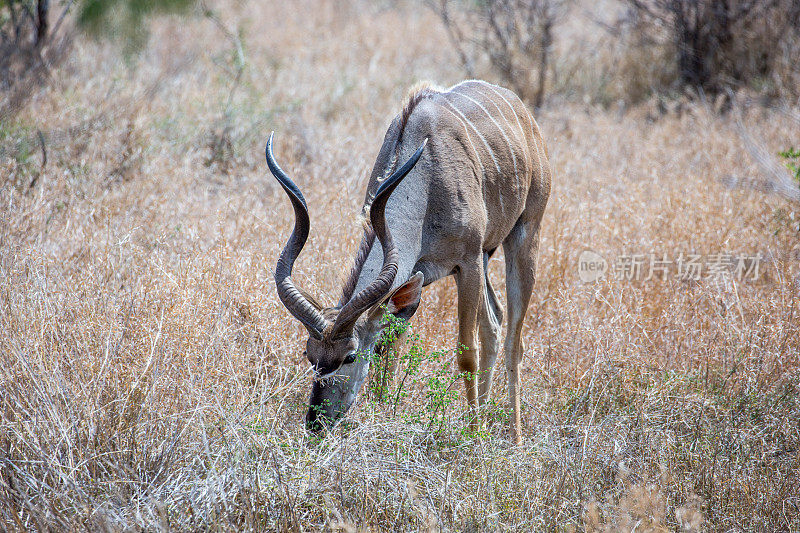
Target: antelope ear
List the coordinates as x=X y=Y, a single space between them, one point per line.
x=404 y=300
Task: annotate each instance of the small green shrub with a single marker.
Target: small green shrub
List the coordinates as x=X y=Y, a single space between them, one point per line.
x=400 y=352
x=125 y=19
x=792 y=162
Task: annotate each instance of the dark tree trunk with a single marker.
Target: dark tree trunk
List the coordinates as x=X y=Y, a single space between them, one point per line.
x=544 y=58
x=42 y=9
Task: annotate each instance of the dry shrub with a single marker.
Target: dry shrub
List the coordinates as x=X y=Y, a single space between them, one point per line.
x=719 y=45
x=24 y=35
x=515 y=37
x=641 y=506
x=616 y=64
x=643 y=68
x=626 y=52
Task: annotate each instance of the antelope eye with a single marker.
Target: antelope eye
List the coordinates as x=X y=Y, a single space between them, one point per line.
x=351 y=358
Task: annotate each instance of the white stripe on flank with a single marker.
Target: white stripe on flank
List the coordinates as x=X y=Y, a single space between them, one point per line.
x=530 y=122
x=536 y=143
x=503 y=133
x=516 y=117
x=468 y=121
x=469 y=139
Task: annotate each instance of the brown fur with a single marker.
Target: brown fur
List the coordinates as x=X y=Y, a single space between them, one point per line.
x=483 y=183
x=417 y=93
x=414 y=96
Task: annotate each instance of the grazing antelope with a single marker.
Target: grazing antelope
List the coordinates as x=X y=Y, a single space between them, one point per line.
x=475 y=176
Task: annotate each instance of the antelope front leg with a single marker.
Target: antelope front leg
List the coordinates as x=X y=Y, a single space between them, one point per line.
x=470 y=285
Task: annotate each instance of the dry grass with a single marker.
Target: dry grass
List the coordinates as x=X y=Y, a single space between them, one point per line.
x=151 y=379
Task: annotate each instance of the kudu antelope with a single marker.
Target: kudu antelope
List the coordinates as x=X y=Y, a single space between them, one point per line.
x=475 y=176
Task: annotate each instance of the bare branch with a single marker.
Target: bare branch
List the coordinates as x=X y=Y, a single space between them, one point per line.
x=778 y=179
x=43 y=146
x=514 y=35
x=61 y=17
x=456 y=37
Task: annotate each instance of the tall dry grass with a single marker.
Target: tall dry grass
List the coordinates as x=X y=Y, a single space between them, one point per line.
x=151 y=379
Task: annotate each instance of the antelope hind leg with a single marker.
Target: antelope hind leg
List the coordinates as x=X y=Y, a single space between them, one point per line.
x=521 y=248
x=490 y=319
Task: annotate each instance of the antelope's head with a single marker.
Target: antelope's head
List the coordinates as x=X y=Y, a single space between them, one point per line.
x=338 y=336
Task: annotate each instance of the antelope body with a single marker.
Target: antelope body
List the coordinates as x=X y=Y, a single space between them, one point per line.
x=476 y=176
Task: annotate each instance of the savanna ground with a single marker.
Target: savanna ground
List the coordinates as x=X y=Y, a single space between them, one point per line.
x=152 y=380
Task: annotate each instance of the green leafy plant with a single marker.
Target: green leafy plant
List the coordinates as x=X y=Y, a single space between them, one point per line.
x=792 y=162
x=125 y=19
x=401 y=365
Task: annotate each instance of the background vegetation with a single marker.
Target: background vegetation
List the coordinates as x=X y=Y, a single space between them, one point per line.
x=150 y=379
